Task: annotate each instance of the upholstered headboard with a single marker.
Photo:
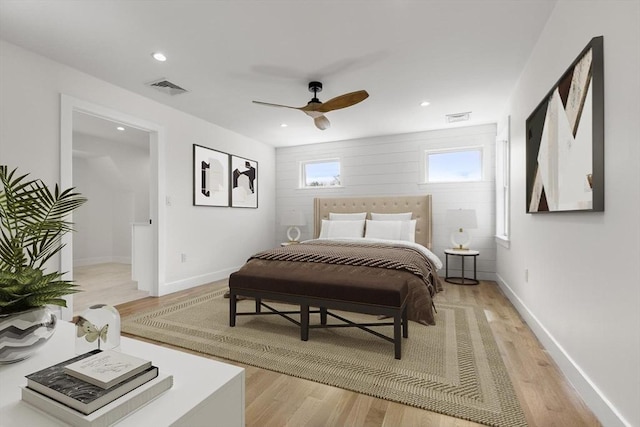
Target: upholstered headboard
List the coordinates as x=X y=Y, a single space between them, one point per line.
x=420 y=206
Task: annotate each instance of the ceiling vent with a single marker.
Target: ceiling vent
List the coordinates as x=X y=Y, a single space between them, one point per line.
x=458 y=117
x=165 y=86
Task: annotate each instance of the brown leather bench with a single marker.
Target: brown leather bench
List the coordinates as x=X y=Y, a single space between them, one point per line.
x=330 y=291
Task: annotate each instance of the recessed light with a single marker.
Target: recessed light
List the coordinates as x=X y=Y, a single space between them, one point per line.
x=424 y=103
x=120 y=128
x=159 y=56
x=283 y=125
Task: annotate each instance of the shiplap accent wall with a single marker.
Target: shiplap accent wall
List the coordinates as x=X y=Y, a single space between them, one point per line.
x=393 y=165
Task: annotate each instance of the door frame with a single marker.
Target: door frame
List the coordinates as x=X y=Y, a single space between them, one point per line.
x=157 y=138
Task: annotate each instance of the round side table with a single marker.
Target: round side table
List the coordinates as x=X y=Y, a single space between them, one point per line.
x=462 y=253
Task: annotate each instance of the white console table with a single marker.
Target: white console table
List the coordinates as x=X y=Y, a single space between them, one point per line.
x=205 y=392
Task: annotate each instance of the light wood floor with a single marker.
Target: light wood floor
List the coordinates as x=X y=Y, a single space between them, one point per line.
x=274 y=399
x=108 y=283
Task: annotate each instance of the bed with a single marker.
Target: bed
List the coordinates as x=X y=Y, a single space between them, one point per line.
x=388 y=275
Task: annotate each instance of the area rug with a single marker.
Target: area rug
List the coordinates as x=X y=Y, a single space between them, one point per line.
x=453 y=368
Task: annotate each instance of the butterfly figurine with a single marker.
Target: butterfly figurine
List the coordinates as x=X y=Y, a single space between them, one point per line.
x=90 y=331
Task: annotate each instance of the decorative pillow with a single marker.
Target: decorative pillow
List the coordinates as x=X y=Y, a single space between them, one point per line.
x=347 y=216
x=341 y=229
x=391 y=230
x=406 y=216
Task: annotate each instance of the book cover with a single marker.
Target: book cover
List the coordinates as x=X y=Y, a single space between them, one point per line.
x=108 y=414
x=107 y=368
x=78 y=394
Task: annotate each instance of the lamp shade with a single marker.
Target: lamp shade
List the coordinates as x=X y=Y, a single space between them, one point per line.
x=462 y=218
x=293 y=218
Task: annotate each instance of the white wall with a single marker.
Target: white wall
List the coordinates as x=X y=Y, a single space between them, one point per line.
x=115 y=178
x=216 y=240
x=391 y=165
x=583 y=294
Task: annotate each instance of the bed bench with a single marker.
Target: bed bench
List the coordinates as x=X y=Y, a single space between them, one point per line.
x=330 y=291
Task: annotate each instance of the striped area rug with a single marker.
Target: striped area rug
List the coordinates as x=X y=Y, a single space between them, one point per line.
x=453 y=368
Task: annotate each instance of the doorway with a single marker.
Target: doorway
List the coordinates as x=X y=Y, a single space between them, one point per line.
x=111 y=168
x=95 y=159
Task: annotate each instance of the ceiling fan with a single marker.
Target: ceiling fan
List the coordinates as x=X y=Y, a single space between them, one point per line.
x=316 y=109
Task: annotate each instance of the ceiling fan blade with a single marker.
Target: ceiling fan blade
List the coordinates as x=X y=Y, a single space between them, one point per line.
x=342 y=101
x=268 y=104
x=322 y=122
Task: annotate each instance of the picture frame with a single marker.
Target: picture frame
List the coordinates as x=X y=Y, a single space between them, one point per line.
x=565 y=139
x=243 y=182
x=210 y=177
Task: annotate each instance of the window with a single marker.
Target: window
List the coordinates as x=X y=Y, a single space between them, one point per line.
x=459 y=165
x=320 y=173
x=502 y=187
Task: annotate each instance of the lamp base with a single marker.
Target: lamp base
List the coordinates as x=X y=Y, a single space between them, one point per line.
x=297 y=230
x=460 y=239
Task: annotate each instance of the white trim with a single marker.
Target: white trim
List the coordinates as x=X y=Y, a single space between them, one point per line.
x=503 y=241
x=604 y=410
x=203 y=279
x=68 y=105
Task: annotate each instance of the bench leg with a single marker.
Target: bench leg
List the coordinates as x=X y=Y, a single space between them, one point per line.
x=397 y=341
x=323 y=315
x=258 y=306
x=232 y=308
x=304 y=322
x=405 y=323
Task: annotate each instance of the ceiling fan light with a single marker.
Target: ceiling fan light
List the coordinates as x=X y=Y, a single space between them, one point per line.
x=159 y=56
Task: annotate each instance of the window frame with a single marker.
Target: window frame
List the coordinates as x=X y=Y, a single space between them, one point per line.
x=503 y=187
x=302 y=173
x=428 y=152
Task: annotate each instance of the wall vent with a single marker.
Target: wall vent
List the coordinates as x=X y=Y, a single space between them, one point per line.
x=458 y=117
x=165 y=86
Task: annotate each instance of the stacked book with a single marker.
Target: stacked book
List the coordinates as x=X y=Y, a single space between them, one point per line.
x=96 y=388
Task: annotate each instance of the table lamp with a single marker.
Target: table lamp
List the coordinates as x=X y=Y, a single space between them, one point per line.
x=293 y=219
x=460 y=220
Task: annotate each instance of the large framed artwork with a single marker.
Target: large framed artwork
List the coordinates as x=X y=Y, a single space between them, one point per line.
x=244 y=183
x=565 y=139
x=210 y=177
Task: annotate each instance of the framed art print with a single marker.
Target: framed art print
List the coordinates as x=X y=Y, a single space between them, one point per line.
x=210 y=177
x=244 y=183
x=565 y=140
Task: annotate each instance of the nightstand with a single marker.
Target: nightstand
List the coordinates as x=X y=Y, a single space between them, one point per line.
x=462 y=253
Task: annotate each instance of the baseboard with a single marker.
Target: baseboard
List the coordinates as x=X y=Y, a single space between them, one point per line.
x=83 y=262
x=191 y=282
x=588 y=391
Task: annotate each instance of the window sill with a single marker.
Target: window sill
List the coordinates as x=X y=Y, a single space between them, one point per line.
x=503 y=241
x=321 y=187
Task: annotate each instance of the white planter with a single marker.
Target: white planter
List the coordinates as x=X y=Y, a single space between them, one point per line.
x=22 y=333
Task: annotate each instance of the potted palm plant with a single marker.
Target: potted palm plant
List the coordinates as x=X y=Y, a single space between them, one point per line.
x=32 y=222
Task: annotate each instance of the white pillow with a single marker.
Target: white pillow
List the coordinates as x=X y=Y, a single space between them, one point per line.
x=406 y=216
x=347 y=216
x=341 y=229
x=391 y=230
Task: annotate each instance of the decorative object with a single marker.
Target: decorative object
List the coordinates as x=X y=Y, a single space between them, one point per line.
x=565 y=139
x=461 y=220
x=32 y=219
x=22 y=333
x=453 y=367
x=210 y=177
x=98 y=327
x=55 y=383
x=293 y=219
x=244 y=183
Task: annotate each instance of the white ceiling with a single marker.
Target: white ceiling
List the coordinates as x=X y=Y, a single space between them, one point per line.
x=458 y=55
